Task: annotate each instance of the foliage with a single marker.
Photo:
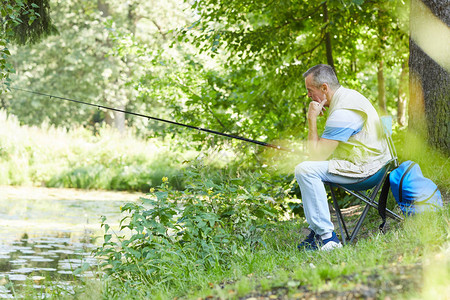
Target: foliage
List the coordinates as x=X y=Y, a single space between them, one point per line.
x=262 y=268
x=32 y=23
x=172 y=234
x=10 y=17
x=21 y=22
x=94 y=59
x=80 y=51
x=246 y=80
x=52 y=157
x=268 y=45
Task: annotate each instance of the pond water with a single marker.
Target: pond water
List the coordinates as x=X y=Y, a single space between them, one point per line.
x=47 y=236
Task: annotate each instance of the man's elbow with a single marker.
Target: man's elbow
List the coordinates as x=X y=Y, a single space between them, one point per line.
x=322 y=150
x=319 y=156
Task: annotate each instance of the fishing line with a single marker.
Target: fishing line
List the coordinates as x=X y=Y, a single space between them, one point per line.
x=156 y=119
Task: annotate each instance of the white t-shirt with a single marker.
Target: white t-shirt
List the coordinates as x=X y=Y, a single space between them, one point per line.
x=342 y=124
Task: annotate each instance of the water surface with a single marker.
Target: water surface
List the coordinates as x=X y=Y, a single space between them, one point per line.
x=47 y=235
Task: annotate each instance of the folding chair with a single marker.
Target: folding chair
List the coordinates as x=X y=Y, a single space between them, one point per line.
x=367 y=189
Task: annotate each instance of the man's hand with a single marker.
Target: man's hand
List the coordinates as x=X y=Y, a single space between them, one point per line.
x=318 y=148
x=315 y=109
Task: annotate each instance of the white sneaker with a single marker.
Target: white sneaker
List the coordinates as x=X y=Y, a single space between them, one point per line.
x=331 y=243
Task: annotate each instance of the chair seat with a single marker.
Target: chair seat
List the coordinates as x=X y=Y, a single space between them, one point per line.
x=367 y=183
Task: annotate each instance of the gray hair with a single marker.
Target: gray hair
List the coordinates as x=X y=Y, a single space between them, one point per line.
x=323 y=74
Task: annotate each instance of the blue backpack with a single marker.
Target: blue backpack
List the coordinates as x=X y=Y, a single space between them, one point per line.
x=412 y=191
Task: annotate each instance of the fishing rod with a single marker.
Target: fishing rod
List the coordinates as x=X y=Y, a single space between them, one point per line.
x=157 y=119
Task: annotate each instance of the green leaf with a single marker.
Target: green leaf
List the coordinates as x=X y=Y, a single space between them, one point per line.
x=161 y=195
x=107 y=238
x=31 y=20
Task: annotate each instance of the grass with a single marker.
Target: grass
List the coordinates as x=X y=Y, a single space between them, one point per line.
x=413 y=255
x=52 y=157
x=411 y=261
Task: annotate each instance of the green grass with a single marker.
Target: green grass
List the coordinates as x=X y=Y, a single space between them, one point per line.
x=377 y=261
x=48 y=156
x=411 y=261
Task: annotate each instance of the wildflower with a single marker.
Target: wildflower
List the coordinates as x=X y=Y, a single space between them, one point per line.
x=165 y=179
x=152 y=190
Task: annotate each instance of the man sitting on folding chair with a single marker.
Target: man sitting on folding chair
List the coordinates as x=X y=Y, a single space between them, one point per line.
x=351 y=148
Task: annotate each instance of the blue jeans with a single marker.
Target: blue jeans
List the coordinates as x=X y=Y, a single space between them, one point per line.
x=310 y=176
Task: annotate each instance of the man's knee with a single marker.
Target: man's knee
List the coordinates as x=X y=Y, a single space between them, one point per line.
x=303 y=169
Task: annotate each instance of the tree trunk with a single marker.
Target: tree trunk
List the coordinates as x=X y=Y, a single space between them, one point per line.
x=381 y=88
x=119 y=119
x=402 y=95
x=109 y=118
x=328 y=37
x=132 y=17
x=103 y=7
x=429 y=108
x=114 y=118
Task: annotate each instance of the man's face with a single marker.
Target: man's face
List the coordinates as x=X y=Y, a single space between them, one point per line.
x=314 y=92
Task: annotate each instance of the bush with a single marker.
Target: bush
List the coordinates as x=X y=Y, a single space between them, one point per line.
x=54 y=157
x=172 y=235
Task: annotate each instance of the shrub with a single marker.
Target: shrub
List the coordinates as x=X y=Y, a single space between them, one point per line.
x=171 y=234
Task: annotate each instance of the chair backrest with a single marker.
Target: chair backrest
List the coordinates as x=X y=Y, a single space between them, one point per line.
x=386 y=121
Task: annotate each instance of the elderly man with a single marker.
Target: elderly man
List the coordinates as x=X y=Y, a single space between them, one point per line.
x=351 y=148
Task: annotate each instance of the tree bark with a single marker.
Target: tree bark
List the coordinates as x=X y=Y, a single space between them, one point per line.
x=402 y=95
x=329 y=49
x=381 y=88
x=429 y=108
x=103 y=7
x=115 y=119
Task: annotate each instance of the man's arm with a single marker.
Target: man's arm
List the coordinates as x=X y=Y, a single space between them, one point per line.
x=318 y=148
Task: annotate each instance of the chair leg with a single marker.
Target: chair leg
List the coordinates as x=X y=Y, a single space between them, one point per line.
x=340 y=219
x=359 y=223
x=393 y=215
x=372 y=203
x=369 y=199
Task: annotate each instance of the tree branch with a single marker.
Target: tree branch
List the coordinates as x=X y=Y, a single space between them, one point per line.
x=159 y=29
x=312 y=49
x=180 y=82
